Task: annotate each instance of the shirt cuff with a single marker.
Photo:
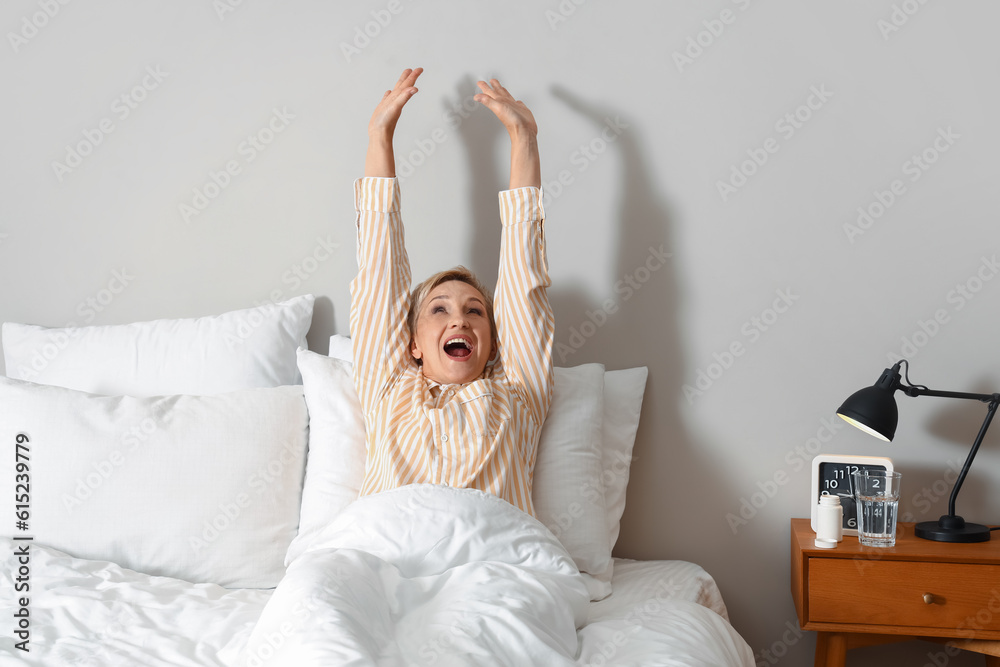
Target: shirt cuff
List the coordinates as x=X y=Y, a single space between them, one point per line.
x=521 y=205
x=373 y=193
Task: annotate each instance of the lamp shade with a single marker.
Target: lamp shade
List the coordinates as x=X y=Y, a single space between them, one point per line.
x=873 y=410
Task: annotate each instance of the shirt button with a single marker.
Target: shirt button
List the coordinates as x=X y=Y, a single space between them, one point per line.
x=444 y=438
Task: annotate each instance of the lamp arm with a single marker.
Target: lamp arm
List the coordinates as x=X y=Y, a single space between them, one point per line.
x=992 y=399
x=972 y=453
x=924 y=391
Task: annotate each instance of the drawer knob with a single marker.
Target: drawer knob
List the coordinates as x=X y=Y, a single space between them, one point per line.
x=928 y=598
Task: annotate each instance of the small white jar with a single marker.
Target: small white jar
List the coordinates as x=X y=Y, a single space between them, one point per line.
x=830 y=519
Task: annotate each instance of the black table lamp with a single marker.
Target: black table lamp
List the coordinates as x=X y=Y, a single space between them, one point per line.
x=873 y=410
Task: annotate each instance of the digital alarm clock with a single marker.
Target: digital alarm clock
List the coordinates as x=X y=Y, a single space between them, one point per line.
x=831 y=475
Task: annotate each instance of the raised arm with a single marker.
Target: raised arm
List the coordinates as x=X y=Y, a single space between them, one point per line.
x=380 y=291
x=524 y=317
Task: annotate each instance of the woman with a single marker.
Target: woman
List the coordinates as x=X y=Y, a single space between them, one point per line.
x=436 y=410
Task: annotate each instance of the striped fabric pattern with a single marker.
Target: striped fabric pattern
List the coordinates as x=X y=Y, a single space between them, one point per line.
x=483 y=434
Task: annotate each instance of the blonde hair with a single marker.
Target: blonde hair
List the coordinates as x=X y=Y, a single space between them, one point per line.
x=459 y=273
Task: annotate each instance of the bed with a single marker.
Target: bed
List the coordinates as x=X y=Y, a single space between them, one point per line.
x=185 y=492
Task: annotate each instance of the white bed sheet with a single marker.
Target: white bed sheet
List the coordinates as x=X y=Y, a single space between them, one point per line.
x=661 y=613
x=97 y=614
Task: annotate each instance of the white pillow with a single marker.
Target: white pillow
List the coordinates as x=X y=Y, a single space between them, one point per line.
x=206 y=355
x=340 y=348
x=200 y=488
x=335 y=467
x=623 y=392
x=568 y=463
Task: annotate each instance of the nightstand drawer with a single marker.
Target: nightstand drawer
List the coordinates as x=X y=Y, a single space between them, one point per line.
x=964 y=595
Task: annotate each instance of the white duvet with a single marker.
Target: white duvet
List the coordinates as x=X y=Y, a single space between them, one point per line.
x=416 y=576
x=425 y=575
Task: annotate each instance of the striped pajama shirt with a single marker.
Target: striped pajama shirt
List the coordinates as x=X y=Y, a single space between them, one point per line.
x=482 y=434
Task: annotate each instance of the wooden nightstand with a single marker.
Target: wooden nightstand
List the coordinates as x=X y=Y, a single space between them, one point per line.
x=946 y=593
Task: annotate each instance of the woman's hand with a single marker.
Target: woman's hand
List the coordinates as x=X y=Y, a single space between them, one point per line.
x=514 y=114
x=522 y=128
x=380 y=160
x=386 y=115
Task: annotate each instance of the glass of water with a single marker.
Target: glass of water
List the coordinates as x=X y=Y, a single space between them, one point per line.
x=877 y=495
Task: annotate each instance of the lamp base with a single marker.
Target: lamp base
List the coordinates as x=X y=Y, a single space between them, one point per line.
x=950 y=528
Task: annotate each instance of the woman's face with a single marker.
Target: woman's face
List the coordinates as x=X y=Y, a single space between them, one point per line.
x=452 y=337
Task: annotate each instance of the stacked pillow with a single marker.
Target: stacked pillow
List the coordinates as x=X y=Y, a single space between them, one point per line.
x=191 y=463
x=335 y=467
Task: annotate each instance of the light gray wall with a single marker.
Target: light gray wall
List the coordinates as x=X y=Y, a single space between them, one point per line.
x=887 y=80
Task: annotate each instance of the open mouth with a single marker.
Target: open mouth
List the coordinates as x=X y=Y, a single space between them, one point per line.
x=458 y=348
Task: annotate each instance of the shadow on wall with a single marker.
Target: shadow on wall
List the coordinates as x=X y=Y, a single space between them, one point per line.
x=633 y=324
x=479 y=134
x=322 y=326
